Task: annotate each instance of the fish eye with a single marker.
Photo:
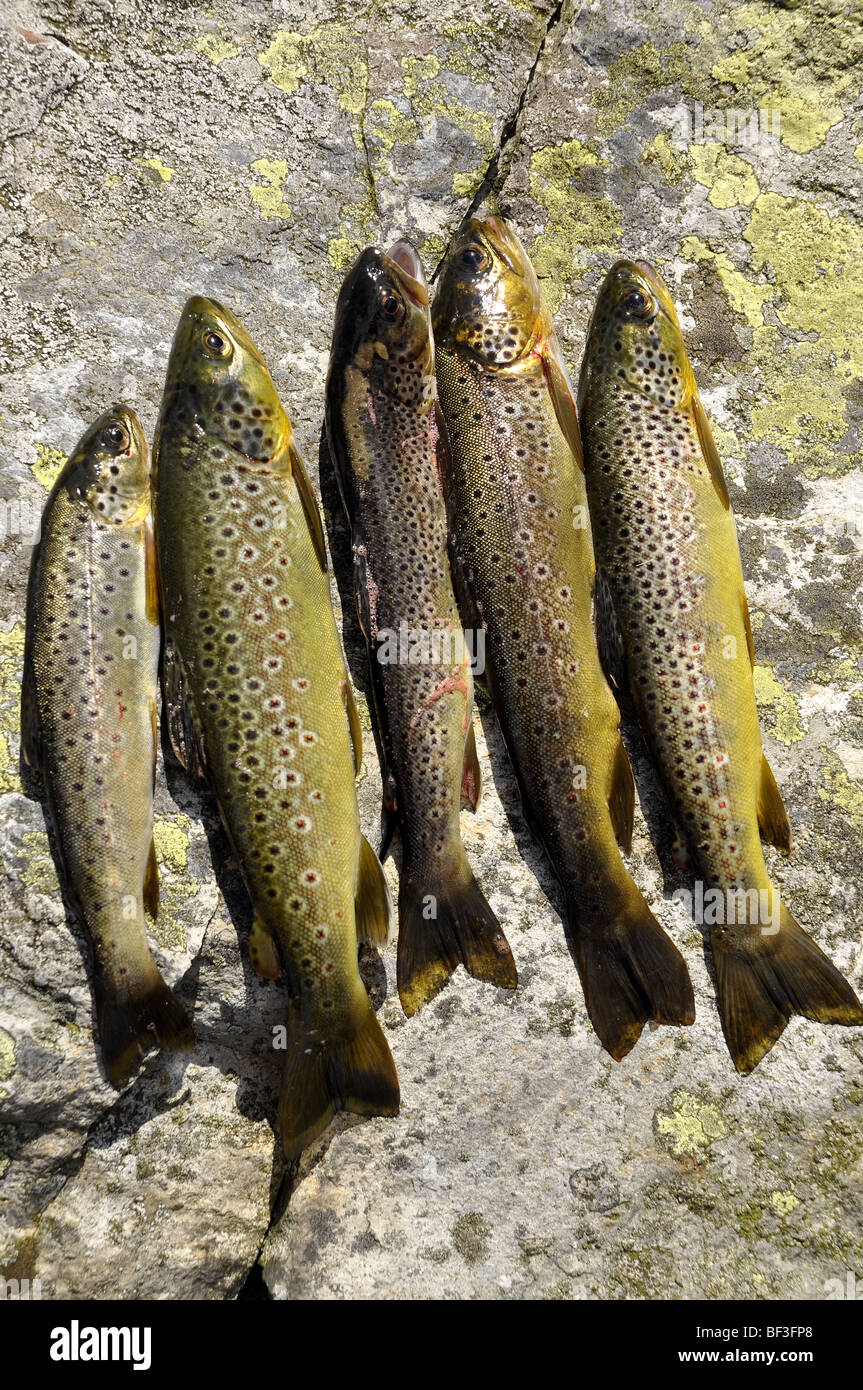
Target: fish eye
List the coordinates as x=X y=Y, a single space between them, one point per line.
x=390 y=306
x=634 y=302
x=116 y=437
x=473 y=258
x=214 y=344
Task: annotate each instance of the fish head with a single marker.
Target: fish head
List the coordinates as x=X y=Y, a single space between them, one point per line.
x=383 y=320
x=109 y=469
x=218 y=384
x=635 y=336
x=488 y=304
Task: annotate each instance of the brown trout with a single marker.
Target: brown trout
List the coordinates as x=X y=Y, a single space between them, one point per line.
x=89 y=724
x=667 y=550
x=524 y=561
x=385 y=441
x=259 y=703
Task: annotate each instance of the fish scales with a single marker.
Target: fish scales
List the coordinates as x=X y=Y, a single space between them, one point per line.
x=90 y=722
x=264 y=696
x=522 y=537
x=383 y=429
x=667 y=547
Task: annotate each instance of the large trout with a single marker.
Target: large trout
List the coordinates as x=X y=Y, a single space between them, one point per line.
x=385 y=441
x=524 y=560
x=259 y=703
x=667 y=550
x=89 y=723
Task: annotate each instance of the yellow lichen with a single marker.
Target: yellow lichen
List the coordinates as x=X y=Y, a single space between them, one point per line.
x=575 y=220
x=7 y=1055
x=432 y=98
x=783 y=1203
x=692 y=1126
x=385 y=127
x=37 y=873
x=154 y=169
x=48 y=464
x=330 y=53
x=770 y=692
x=268 y=195
x=418 y=70
x=216 y=47
x=838 y=789
x=660 y=151
x=171 y=838
x=731 y=180
x=11 y=660
x=812 y=264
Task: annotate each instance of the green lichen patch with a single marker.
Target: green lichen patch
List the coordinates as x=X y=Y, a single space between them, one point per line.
x=470 y=1237
x=689 y=1125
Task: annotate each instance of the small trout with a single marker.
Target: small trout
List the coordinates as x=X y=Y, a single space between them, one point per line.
x=385 y=442
x=259 y=703
x=680 y=638
x=89 y=724
x=524 y=562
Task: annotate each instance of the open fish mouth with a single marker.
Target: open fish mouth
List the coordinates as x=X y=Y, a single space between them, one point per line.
x=408 y=267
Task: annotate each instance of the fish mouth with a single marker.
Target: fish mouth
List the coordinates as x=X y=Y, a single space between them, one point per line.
x=405 y=263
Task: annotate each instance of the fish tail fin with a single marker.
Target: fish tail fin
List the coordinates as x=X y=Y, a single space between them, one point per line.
x=764 y=978
x=140 y=1017
x=445 y=923
x=631 y=972
x=353 y=1071
x=375 y=916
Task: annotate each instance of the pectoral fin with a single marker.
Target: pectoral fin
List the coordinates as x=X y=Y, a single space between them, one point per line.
x=609 y=638
x=310 y=507
x=262 y=951
x=471 y=777
x=375 y=916
x=151 y=572
x=185 y=736
x=353 y=723
x=151 y=883
x=621 y=798
x=772 y=816
x=31 y=736
x=562 y=397
x=710 y=451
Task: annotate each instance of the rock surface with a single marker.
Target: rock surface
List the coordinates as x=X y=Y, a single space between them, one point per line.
x=248 y=151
